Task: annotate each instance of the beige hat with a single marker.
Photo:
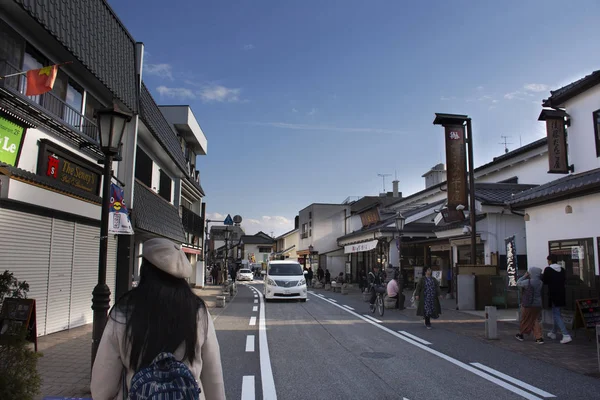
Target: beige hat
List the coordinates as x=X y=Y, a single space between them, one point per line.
x=168 y=257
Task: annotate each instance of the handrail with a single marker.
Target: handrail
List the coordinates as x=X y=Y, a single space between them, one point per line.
x=50 y=102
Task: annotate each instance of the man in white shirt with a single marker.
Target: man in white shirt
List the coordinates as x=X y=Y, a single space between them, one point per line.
x=392 y=289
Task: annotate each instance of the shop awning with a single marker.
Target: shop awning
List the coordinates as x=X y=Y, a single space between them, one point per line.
x=359 y=247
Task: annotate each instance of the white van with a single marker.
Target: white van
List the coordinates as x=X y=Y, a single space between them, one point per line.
x=285 y=280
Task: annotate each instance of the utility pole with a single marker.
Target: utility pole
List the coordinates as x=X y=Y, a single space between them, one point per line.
x=505 y=143
x=383 y=176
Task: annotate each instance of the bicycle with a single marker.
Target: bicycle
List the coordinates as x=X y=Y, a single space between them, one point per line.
x=378 y=301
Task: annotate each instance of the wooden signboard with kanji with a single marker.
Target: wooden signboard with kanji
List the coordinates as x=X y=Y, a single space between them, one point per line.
x=16 y=315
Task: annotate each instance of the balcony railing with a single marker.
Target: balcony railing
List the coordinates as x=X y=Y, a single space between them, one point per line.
x=48 y=102
x=192 y=222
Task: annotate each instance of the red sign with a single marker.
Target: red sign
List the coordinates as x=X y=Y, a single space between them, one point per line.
x=53 y=163
x=456 y=166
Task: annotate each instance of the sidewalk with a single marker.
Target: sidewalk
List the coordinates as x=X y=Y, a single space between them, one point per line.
x=65 y=367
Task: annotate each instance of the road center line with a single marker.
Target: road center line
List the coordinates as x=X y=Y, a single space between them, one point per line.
x=252 y=320
x=418 y=339
x=255 y=301
x=454 y=361
x=513 y=380
x=255 y=308
x=266 y=372
x=248 y=392
x=250 y=343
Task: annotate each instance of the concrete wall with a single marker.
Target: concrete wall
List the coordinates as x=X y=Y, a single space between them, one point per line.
x=550 y=222
x=328 y=224
x=582 y=145
x=532 y=171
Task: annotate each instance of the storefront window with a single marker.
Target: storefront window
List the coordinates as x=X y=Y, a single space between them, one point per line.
x=464 y=255
x=577 y=257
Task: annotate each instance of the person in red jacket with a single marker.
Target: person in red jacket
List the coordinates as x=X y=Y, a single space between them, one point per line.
x=555 y=276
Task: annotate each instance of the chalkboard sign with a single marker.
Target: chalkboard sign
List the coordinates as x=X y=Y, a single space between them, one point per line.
x=589 y=312
x=16 y=315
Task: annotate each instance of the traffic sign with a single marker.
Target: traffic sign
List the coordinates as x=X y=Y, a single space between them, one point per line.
x=228 y=220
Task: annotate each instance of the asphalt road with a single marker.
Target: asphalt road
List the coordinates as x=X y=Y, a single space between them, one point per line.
x=331 y=348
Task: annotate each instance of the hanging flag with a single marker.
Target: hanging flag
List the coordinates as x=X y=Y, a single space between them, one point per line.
x=40 y=81
x=118 y=219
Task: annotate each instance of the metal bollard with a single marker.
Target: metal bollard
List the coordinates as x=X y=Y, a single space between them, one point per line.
x=491 y=323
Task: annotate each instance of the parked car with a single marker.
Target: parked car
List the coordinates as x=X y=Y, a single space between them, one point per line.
x=245 y=275
x=284 y=280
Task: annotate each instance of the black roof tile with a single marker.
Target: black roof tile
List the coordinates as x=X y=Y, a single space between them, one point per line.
x=154 y=214
x=161 y=129
x=446 y=226
x=47 y=182
x=257 y=239
x=498 y=193
x=568 y=186
x=93 y=33
x=565 y=93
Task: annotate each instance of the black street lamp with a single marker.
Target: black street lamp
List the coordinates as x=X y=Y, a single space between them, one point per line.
x=400 y=220
x=111 y=124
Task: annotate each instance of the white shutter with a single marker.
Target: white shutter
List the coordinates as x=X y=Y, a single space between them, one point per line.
x=111 y=267
x=85 y=273
x=59 y=282
x=25 y=251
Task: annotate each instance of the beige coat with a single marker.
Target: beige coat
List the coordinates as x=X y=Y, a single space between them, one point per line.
x=113 y=356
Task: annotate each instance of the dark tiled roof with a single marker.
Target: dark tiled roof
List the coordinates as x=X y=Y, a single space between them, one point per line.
x=368 y=202
x=565 y=93
x=446 y=226
x=160 y=128
x=47 y=182
x=256 y=239
x=568 y=186
x=498 y=193
x=96 y=37
x=154 y=214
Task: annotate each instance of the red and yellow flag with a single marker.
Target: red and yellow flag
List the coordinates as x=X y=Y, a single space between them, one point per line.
x=40 y=81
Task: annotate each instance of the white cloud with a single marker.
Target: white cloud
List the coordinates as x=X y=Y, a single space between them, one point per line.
x=536 y=87
x=216 y=216
x=313 y=111
x=249 y=47
x=479 y=87
x=276 y=224
x=294 y=110
x=486 y=98
x=444 y=98
x=161 y=70
x=306 y=127
x=219 y=94
x=513 y=95
x=177 y=93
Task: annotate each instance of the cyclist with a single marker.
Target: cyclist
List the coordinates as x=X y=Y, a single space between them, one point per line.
x=376 y=280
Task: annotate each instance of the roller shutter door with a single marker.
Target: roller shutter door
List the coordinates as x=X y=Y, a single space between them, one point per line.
x=59 y=284
x=25 y=251
x=85 y=273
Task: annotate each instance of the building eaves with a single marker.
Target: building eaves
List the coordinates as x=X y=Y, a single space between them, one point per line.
x=252 y=239
x=458 y=224
x=96 y=37
x=286 y=234
x=47 y=182
x=154 y=214
x=160 y=129
x=569 y=186
x=498 y=193
x=560 y=96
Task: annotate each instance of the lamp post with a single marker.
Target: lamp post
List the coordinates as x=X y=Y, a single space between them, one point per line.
x=111 y=126
x=400 y=220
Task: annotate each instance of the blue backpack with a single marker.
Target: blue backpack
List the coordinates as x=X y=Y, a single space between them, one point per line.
x=165 y=378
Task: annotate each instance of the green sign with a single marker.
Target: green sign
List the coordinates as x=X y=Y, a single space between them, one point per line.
x=11 y=136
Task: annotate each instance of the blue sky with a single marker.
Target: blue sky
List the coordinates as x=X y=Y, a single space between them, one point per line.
x=307 y=101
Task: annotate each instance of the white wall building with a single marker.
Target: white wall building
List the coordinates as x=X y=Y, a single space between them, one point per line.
x=287 y=245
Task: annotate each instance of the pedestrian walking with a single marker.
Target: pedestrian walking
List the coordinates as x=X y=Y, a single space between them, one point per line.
x=531 y=305
x=427 y=294
x=555 y=277
x=309 y=277
x=159 y=337
x=327 y=277
x=320 y=274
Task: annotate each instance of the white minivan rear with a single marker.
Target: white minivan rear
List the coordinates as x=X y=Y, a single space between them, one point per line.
x=285 y=280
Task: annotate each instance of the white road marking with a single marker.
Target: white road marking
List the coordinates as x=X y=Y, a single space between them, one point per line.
x=248 y=392
x=252 y=320
x=335 y=301
x=348 y=307
x=418 y=339
x=513 y=380
x=255 y=308
x=454 y=361
x=266 y=372
x=255 y=301
x=371 y=318
x=250 y=343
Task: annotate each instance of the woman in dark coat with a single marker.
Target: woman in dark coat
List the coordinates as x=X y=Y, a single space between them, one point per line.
x=309 y=277
x=327 y=277
x=427 y=294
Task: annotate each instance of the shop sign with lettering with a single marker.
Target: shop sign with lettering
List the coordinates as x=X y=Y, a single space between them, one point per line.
x=456 y=166
x=370 y=217
x=512 y=268
x=11 y=141
x=360 y=247
x=557 y=146
x=68 y=168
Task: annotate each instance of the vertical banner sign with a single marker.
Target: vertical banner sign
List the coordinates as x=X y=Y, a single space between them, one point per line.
x=456 y=165
x=11 y=139
x=118 y=219
x=511 y=261
x=557 y=146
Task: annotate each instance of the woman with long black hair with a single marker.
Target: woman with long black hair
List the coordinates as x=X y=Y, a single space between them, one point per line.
x=160 y=316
